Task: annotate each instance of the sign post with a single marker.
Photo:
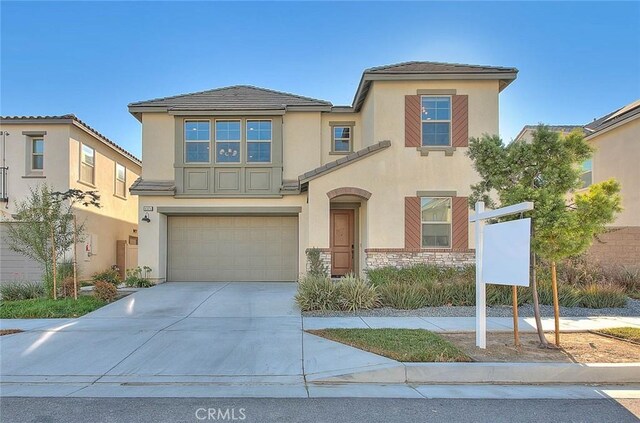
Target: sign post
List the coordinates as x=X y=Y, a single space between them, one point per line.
x=502 y=257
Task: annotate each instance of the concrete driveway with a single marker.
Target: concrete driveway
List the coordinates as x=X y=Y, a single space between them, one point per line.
x=237 y=333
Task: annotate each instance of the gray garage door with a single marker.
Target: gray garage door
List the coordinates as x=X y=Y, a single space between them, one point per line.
x=14 y=266
x=232 y=248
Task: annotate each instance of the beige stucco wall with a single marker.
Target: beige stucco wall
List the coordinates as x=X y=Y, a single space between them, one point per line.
x=152 y=250
x=327 y=129
x=617 y=152
x=116 y=219
x=301 y=139
x=158 y=146
x=56 y=161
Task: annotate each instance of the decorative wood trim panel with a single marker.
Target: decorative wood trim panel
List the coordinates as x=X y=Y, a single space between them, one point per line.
x=460 y=121
x=459 y=223
x=412 y=131
x=412 y=222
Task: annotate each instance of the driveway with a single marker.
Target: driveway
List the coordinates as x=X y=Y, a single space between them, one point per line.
x=210 y=333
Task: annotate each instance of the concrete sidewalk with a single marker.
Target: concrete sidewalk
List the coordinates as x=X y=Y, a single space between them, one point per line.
x=467 y=324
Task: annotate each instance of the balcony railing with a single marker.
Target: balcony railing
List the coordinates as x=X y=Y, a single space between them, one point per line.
x=4 y=195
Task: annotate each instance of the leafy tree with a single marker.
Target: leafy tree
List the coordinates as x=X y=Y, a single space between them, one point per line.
x=47 y=216
x=546 y=171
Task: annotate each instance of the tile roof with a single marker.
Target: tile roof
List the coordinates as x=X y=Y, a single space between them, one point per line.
x=614 y=117
x=237 y=97
x=437 y=68
x=71 y=118
x=140 y=186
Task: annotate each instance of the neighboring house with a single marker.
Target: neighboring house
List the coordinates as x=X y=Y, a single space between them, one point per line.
x=240 y=181
x=64 y=152
x=616 y=139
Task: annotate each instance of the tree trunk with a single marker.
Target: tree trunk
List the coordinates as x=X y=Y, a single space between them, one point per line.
x=556 y=305
x=53 y=263
x=534 y=291
x=75 y=258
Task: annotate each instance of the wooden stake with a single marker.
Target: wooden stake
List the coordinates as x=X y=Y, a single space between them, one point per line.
x=54 y=258
x=556 y=305
x=516 y=335
x=75 y=258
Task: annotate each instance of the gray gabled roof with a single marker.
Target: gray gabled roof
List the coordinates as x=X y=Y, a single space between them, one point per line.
x=71 y=119
x=431 y=70
x=623 y=113
x=142 y=187
x=237 y=97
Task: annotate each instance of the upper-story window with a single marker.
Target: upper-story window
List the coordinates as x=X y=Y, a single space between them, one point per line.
x=227 y=141
x=197 y=136
x=259 y=136
x=586 y=174
x=87 y=164
x=37 y=154
x=121 y=180
x=436 y=222
x=436 y=121
x=342 y=139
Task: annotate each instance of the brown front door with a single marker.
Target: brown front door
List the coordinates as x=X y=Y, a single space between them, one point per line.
x=341 y=242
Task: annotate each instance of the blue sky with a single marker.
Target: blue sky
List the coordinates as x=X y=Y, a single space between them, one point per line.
x=577 y=61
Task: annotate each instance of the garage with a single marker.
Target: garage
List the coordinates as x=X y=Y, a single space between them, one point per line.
x=232 y=248
x=14 y=266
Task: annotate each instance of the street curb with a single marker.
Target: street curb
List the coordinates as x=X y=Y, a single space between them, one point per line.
x=494 y=373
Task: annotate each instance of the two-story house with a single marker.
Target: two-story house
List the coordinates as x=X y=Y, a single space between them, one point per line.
x=64 y=153
x=240 y=181
x=615 y=138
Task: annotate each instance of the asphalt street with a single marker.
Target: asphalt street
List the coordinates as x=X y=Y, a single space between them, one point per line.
x=370 y=410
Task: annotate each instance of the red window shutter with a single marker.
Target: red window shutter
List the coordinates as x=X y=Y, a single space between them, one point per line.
x=460 y=223
x=460 y=121
x=412 y=222
x=412 y=115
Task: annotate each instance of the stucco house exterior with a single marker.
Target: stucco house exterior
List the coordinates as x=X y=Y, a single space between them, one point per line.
x=64 y=153
x=239 y=182
x=616 y=140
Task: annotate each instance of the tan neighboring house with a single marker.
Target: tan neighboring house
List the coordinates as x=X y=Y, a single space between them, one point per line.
x=240 y=181
x=64 y=152
x=616 y=139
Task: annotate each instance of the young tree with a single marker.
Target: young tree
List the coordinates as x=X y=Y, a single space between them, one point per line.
x=546 y=171
x=43 y=228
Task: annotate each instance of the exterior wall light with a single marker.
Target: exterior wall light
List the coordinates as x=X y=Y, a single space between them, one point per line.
x=146 y=218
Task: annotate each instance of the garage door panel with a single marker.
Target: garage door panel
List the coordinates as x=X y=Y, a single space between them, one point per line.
x=232 y=248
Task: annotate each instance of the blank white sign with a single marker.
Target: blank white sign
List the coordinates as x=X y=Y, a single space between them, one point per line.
x=506 y=253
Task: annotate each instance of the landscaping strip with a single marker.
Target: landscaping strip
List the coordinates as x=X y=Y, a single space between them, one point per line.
x=48 y=308
x=625 y=333
x=9 y=331
x=405 y=345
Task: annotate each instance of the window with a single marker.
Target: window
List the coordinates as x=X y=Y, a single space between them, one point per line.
x=341 y=139
x=197 y=139
x=121 y=180
x=436 y=222
x=259 y=141
x=587 y=173
x=228 y=141
x=37 y=154
x=87 y=164
x=436 y=121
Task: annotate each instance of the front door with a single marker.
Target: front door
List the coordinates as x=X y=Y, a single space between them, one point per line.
x=342 y=242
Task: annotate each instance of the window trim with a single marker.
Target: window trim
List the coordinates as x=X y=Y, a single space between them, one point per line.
x=333 y=138
x=92 y=166
x=247 y=141
x=422 y=223
x=33 y=154
x=116 y=180
x=215 y=141
x=450 y=121
x=184 y=136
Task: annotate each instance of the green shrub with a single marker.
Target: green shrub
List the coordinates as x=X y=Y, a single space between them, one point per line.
x=317 y=293
x=316 y=265
x=356 y=294
x=110 y=275
x=602 y=296
x=404 y=296
x=383 y=275
x=45 y=308
x=138 y=277
x=105 y=291
x=461 y=291
x=63 y=270
x=568 y=296
x=21 y=291
x=66 y=288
